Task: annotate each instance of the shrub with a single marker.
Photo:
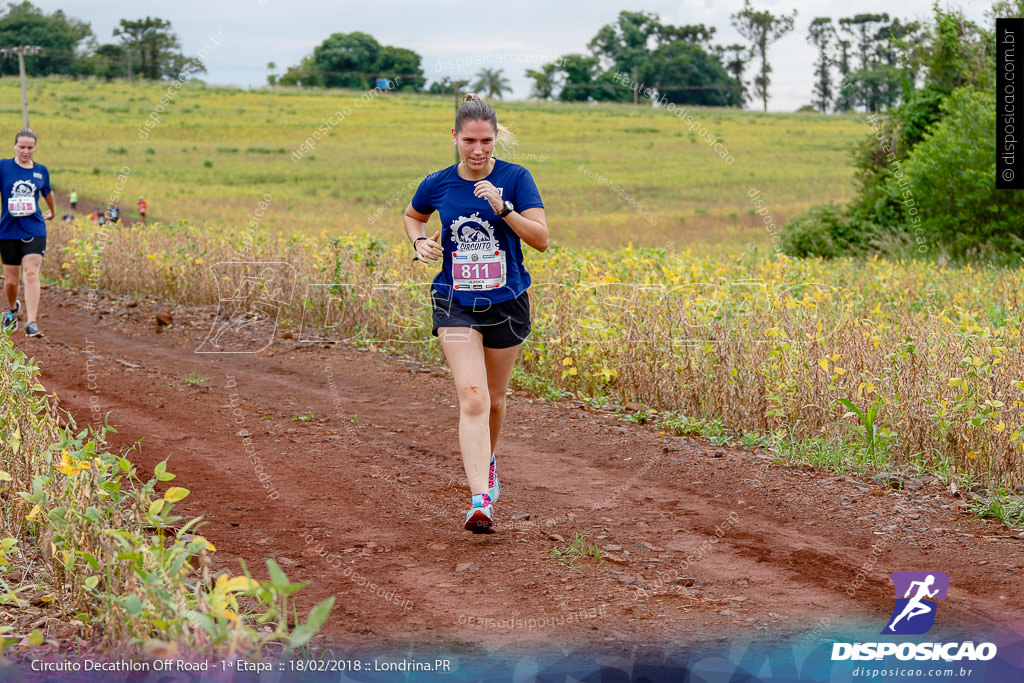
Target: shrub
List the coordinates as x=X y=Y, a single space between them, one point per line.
x=828 y=232
x=952 y=172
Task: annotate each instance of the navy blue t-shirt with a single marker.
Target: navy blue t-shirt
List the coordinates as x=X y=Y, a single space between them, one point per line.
x=22 y=190
x=483 y=256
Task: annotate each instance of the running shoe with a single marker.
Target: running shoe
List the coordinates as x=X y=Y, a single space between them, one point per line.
x=11 y=318
x=32 y=330
x=493 y=485
x=480 y=518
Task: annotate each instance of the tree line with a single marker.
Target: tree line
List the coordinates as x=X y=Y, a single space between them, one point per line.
x=866 y=61
x=868 y=53
x=147 y=48
x=680 y=62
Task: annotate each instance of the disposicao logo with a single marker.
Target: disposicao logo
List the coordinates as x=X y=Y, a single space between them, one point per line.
x=917 y=596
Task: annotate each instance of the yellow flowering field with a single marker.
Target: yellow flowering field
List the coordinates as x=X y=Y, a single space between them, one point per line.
x=904 y=362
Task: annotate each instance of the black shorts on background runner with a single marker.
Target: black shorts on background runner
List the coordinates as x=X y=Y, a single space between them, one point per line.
x=12 y=251
x=502 y=325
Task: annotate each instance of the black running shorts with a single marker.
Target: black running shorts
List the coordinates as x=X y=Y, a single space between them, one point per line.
x=502 y=325
x=12 y=251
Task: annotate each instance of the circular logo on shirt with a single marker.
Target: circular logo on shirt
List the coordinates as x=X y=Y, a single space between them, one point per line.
x=23 y=188
x=472 y=233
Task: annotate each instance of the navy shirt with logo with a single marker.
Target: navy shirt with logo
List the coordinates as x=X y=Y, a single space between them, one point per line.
x=470 y=227
x=19 y=184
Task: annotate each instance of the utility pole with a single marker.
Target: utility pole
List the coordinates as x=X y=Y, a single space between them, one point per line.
x=21 y=51
x=458 y=102
x=457 y=86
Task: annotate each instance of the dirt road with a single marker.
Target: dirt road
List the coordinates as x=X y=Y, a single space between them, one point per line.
x=359 y=482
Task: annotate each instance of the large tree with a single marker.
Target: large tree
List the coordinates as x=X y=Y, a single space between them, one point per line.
x=152 y=45
x=57 y=34
x=684 y=73
x=639 y=52
x=347 y=60
x=762 y=28
x=624 y=44
x=356 y=60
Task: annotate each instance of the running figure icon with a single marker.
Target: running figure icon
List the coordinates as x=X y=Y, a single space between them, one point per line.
x=916 y=607
x=917 y=598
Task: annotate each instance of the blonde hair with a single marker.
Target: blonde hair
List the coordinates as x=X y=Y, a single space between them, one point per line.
x=25 y=133
x=475 y=109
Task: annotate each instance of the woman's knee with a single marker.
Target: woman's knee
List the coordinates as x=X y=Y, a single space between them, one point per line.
x=474 y=401
x=497 y=403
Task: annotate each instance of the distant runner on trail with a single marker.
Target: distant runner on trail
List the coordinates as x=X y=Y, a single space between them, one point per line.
x=481 y=309
x=142 y=207
x=23 y=228
x=73 y=199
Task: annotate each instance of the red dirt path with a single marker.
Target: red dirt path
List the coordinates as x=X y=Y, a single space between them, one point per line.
x=374 y=485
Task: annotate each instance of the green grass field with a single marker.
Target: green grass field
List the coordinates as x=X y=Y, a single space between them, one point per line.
x=215 y=152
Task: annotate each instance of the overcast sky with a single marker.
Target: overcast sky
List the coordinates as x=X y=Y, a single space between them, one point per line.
x=513 y=35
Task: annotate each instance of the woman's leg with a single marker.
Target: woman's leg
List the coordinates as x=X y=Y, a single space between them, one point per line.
x=464 y=349
x=499 y=363
x=30 y=266
x=12 y=275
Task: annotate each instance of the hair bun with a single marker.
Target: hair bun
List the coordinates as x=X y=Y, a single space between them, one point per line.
x=470 y=97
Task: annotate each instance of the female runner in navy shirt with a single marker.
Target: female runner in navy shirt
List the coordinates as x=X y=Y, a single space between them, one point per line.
x=23 y=228
x=481 y=309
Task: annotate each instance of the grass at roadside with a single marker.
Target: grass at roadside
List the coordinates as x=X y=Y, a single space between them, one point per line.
x=577 y=550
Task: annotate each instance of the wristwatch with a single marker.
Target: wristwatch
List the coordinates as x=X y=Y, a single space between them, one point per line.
x=508 y=208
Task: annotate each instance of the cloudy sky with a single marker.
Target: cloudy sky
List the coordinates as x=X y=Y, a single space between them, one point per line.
x=457 y=37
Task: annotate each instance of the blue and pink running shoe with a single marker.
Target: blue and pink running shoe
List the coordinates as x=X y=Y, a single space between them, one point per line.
x=493 y=485
x=480 y=518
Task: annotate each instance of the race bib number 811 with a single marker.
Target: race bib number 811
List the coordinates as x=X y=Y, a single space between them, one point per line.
x=478 y=270
x=21 y=206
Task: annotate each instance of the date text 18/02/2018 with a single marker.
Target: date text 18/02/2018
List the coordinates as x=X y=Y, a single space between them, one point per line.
x=330 y=665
